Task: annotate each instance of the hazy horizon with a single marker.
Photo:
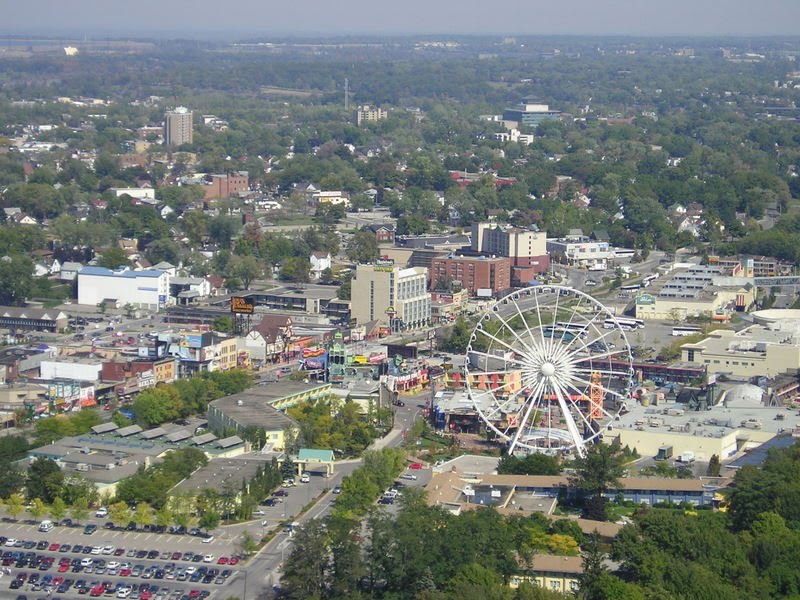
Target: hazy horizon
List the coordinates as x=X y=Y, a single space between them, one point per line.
x=237 y=18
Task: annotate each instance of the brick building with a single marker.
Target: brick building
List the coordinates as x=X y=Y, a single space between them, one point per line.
x=227 y=185
x=472 y=272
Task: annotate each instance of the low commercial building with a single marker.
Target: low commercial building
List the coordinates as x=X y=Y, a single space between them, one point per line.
x=580 y=251
x=220 y=475
x=72 y=368
x=454 y=491
x=143 y=289
x=754 y=351
x=260 y=407
x=551 y=572
x=20 y=318
x=698 y=291
x=529 y=113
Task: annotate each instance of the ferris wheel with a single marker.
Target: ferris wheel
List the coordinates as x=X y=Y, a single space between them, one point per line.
x=548 y=368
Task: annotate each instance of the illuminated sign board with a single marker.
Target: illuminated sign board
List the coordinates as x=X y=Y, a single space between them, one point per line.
x=242 y=306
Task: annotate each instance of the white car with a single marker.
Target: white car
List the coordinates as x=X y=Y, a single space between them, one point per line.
x=191 y=570
x=123 y=592
x=85 y=562
x=208 y=558
x=97 y=550
x=208 y=539
x=304 y=478
x=112 y=564
x=258 y=513
x=101 y=512
x=10 y=542
x=108 y=550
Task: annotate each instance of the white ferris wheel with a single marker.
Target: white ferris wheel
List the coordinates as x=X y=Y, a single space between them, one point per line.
x=548 y=368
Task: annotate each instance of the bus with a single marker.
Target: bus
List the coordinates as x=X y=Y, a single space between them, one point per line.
x=630 y=287
x=684 y=330
x=569 y=326
x=623 y=323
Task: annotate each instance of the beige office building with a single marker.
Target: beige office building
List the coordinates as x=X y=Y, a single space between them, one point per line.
x=754 y=351
x=178 y=126
x=396 y=295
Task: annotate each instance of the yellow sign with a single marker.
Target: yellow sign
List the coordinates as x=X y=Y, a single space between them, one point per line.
x=242 y=306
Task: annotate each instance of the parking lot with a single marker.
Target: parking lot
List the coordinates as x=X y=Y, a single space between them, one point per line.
x=124 y=564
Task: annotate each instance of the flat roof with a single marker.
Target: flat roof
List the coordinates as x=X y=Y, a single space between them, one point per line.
x=199 y=440
x=129 y=430
x=177 y=436
x=315 y=455
x=151 y=434
x=229 y=442
x=105 y=427
x=221 y=471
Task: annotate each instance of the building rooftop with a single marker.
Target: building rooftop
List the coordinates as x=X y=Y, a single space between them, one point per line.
x=254 y=406
x=221 y=473
x=127 y=273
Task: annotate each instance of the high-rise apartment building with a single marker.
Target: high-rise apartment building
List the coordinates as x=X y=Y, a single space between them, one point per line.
x=384 y=291
x=178 y=126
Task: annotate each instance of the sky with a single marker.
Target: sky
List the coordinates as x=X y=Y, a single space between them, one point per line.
x=341 y=17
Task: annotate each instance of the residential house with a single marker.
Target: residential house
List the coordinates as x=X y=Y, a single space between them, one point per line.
x=384 y=232
x=69 y=270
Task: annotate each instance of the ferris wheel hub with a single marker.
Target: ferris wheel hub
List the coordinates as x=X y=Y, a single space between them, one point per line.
x=548 y=369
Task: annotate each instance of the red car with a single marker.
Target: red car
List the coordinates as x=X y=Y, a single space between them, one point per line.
x=146 y=595
x=415 y=466
x=125 y=572
x=233 y=560
x=63 y=568
x=176 y=556
x=194 y=594
x=223 y=560
x=54 y=547
x=58 y=580
x=98 y=591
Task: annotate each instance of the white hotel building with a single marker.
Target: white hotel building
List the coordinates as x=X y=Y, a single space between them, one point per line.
x=143 y=289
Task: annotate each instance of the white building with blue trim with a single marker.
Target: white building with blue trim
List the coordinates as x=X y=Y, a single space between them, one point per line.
x=143 y=289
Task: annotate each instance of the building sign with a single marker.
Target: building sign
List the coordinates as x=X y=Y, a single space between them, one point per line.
x=384 y=264
x=645 y=300
x=242 y=306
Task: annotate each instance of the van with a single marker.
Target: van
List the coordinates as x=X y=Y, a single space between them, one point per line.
x=46 y=526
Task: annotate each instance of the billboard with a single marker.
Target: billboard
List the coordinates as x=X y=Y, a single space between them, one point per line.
x=242 y=306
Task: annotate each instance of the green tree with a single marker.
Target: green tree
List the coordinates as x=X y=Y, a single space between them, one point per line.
x=113 y=258
x=119 y=513
x=532 y=464
x=209 y=520
x=163 y=516
x=305 y=570
x=713 y=466
x=363 y=247
x=37 y=508
x=143 y=515
x=15 y=505
x=246 y=269
x=79 y=510
x=58 y=509
x=598 y=471
x=11 y=479
x=44 y=480
x=295 y=268
x=15 y=279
